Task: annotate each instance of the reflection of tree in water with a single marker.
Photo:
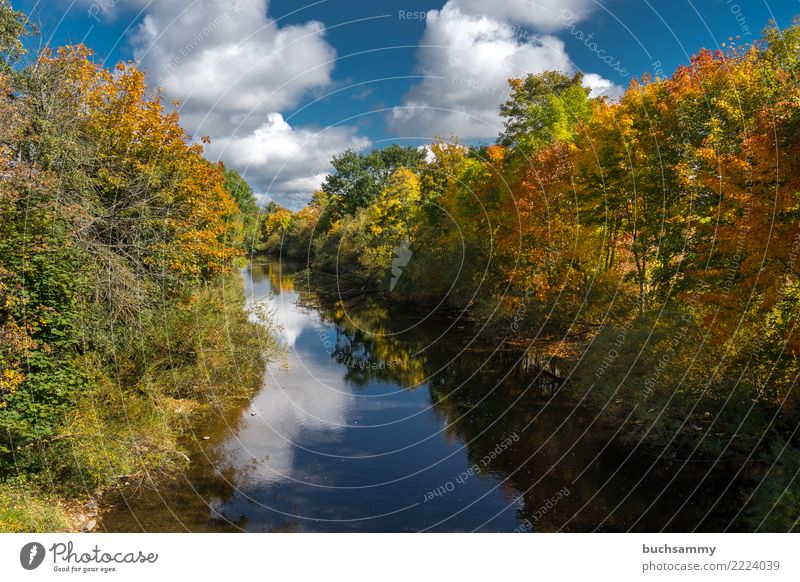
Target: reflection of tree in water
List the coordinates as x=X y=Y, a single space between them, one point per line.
x=484 y=396
x=377 y=354
x=259 y=271
x=500 y=401
x=511 y=395
x=281 y=277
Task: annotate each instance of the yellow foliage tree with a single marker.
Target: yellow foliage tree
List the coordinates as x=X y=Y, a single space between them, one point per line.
x=150 y=172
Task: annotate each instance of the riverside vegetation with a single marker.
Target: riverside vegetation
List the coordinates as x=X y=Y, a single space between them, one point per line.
x=650 y=243
x=121 y=313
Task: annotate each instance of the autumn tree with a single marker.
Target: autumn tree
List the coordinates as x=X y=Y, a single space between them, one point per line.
x=357 y=179
x=108 y=210
x=392 y=220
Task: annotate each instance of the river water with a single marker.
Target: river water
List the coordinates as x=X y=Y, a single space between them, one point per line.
x=391 y=419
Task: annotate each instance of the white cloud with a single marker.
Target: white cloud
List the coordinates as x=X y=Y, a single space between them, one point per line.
x=468 y=53
x=299 y=393
x=235 y=69
x=601 y=86
x=543 y=15
x=228 y=61
x=288 y=163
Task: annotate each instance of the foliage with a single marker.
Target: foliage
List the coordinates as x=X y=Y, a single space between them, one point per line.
x=357 y=179
x=249 y=212
x=13 y=26
x=23 y=509
x=542 y=109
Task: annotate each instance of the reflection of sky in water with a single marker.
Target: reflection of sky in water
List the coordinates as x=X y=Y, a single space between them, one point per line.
x=308 y=399
x=305 y=392
x=320 y=448
x=281 y=303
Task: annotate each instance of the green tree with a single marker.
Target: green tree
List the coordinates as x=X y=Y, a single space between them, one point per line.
x=358 y=179
x=442 y=173
x=13 y=26
x=543 y=108
x=248 y=207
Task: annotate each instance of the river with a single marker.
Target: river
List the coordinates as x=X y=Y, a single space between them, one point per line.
x=394 y=419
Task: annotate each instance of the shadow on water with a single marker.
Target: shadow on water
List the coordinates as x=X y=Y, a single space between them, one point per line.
x=386 y=418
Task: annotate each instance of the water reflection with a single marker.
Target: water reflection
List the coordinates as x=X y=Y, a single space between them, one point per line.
x=384 y=419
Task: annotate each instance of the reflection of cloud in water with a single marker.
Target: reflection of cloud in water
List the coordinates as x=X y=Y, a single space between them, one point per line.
x=290 y=320
x=310 y=397
x=265 y=288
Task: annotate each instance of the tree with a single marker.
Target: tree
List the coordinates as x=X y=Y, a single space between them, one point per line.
x=107 y=209
x=391 y=220
x=358 y=179
x=40 y=284
x=155 y=204
x=277 y=222
x=248 y=208
x=543 y=108
x=394 y=210
x=13 y=26
x=443 y=172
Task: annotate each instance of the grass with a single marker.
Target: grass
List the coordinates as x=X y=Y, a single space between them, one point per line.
x=202 y=352
x=23 y=508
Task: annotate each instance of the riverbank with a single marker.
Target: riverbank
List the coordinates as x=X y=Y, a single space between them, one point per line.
x=672 y=308
x=133 y=429
x=121 y=310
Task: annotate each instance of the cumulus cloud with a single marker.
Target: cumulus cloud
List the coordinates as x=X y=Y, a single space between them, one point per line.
x=468 y=53
x=228 y=61
x=234 y=70
x=601 y=86
x=543 y=15
x=237 y=71
x=288 y=161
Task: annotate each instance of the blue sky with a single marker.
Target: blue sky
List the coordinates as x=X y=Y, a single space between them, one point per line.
x=283 y=85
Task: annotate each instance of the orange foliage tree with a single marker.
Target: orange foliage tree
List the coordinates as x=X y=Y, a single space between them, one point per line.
x=164 y=207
